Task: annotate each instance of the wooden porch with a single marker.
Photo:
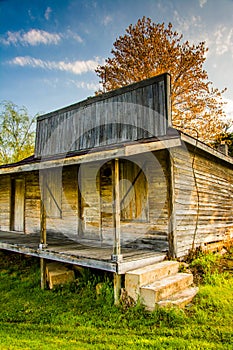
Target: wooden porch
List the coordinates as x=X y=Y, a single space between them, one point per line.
x=83 y=253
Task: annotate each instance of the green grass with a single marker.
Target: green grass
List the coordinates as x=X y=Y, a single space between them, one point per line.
x=73 y=317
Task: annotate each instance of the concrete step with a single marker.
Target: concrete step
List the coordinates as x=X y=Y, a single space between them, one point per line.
x=134 y=279
x=161 y=289
x=180 y=299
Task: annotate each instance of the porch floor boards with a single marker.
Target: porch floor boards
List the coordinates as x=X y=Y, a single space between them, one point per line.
x=64 y=249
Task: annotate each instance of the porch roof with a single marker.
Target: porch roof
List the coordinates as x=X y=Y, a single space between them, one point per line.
x=101 y=153
x=174 y=138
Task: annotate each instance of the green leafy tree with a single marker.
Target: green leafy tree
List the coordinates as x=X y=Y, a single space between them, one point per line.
x=149 y=49
x=17 y=133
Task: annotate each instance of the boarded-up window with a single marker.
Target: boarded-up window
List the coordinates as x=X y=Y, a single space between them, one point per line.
x=53 y=192
x=133 y=192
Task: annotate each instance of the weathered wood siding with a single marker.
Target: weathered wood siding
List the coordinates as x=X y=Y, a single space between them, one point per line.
x=140 y=110
x=144 y=210
x=89 y=203
x=158 y=192
x=67 y=223
x=203 y=199
x=5 y=202
x=32 y=202
x=19 y=205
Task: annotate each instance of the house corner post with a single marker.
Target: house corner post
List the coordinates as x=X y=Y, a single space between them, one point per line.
x=172 y=240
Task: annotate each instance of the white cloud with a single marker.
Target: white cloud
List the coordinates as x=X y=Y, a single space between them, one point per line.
x=36 y=37
x=76 y=67
x=188 y=25
x=223 y=40
x=31 y=15
x=202 y=3
x=54 y=83
x=106 y=20
x=32 y=37
x=228 y=108
x=85 y=85
x=73 y=35
x=47 y=13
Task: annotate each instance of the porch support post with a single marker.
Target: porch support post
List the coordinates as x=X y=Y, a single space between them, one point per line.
x=42 y=273
x=116 y=212
x=117 y=288
x=43 y=236
x=116 y=256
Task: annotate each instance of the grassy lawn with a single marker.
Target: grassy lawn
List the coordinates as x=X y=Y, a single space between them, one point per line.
x=73 y=317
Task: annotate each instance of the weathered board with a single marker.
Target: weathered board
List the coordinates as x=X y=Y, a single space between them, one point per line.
x=134 y=112
x=5 y=202
x=203 y=199
x=32 y=202
x=18 y=206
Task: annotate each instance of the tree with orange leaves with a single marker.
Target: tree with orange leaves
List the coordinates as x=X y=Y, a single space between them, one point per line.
x=148 y=49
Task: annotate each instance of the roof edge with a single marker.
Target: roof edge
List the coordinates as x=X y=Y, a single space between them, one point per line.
x=204 y=147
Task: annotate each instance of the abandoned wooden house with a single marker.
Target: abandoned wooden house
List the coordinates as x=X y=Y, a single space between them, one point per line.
x=113 y=186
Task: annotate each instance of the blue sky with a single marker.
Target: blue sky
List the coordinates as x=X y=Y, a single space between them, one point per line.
x=49 y=49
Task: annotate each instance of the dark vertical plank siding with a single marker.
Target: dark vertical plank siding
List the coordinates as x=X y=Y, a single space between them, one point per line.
x=214 y=187
x=5 y=202
x=127 y=114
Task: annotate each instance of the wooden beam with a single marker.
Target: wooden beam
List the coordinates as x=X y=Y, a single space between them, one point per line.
x=80 y=204
x=117 y=288
x=117 y=257
x=42 y=273
x=116 y=211
x=139 y=148
x=168 y=99
x=96 y=155
x=123 y=151
x=43 y=238
x=171 y=208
